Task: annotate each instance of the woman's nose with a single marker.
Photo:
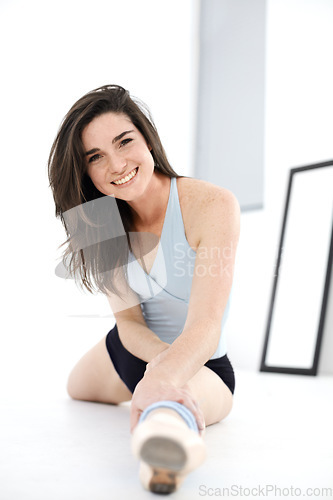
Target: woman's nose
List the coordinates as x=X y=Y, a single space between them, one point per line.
x=117 y=165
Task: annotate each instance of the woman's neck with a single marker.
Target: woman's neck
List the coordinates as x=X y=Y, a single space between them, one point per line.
x=150 y=209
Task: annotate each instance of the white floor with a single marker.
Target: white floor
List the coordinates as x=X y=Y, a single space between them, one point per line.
x=278 y=436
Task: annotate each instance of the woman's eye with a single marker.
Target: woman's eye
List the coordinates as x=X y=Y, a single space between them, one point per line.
x=94 y=158
x=125 y=141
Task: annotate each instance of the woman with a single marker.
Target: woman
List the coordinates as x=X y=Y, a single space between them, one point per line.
x=167 y=351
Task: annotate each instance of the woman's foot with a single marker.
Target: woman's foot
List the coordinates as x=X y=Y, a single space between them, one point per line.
x=168 y=450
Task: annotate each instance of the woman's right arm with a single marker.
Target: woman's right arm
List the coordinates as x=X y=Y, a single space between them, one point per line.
x=139 y=340
x=133 y=331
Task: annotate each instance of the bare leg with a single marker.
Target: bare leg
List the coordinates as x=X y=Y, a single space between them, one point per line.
x=213 y=396
x=94 y=378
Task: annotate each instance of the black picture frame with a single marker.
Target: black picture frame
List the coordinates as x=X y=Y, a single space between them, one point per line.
x=264 y=367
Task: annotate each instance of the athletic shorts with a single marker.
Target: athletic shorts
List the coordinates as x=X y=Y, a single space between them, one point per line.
x=131 y=369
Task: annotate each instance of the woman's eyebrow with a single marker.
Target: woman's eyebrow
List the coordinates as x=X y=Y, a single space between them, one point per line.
x=92 y=151
x=120 y=136
x=117 y=138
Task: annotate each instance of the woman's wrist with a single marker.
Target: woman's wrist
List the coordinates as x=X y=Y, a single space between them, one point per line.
x=166 y=368
x=158 y=349
x=154 y=349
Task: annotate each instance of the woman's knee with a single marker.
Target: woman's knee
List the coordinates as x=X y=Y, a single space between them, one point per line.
x=79 y=384
x=94 y=378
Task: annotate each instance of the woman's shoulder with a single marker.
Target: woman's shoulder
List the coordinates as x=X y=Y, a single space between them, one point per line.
x=199 y=192
x=200 y=201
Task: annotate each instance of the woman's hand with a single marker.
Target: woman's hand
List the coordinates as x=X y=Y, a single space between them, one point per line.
x=150 y=390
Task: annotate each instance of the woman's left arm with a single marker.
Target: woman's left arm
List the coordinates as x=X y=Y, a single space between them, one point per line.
x=219 y=227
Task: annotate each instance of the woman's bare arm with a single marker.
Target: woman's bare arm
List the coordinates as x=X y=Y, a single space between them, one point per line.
x=211 y=286
x=134 y=333
x=219 y=222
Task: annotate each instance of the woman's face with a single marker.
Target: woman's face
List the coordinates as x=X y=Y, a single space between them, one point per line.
x=116 y=151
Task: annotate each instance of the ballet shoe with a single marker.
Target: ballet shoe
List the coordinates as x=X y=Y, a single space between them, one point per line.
x=167 y=449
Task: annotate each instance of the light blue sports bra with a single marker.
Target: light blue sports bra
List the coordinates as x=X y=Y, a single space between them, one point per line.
x=165 y=292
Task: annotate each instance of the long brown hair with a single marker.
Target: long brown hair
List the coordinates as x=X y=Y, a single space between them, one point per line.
x=72 y=187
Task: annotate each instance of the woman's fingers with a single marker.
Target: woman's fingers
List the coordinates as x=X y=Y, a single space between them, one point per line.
x=134 y=417
x=194 y=407
x=149 y=391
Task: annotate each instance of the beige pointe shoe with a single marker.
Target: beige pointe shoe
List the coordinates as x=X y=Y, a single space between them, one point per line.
x=168 y=450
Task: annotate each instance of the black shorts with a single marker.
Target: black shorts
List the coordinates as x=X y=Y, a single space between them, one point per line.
x=131 y=369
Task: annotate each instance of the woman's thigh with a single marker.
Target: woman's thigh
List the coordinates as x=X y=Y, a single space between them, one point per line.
x=212 y=394
x=94 y=378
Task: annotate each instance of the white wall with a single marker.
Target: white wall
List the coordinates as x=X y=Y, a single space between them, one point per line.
x=51 y=54
x=299 y=131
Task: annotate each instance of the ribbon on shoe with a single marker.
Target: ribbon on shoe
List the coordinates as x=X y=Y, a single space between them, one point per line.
x=184 y=412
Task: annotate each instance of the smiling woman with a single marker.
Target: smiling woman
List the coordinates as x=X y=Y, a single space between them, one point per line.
x=79 y=153
x=116 y=154
x=112 y=185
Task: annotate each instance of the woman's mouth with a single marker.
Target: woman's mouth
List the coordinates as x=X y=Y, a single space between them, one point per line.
x=127 y=179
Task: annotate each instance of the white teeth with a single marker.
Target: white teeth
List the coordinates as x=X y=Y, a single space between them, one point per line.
x=127 y=178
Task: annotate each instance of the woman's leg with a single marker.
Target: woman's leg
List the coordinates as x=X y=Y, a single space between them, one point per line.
x=212 y=394
x=94 y=378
